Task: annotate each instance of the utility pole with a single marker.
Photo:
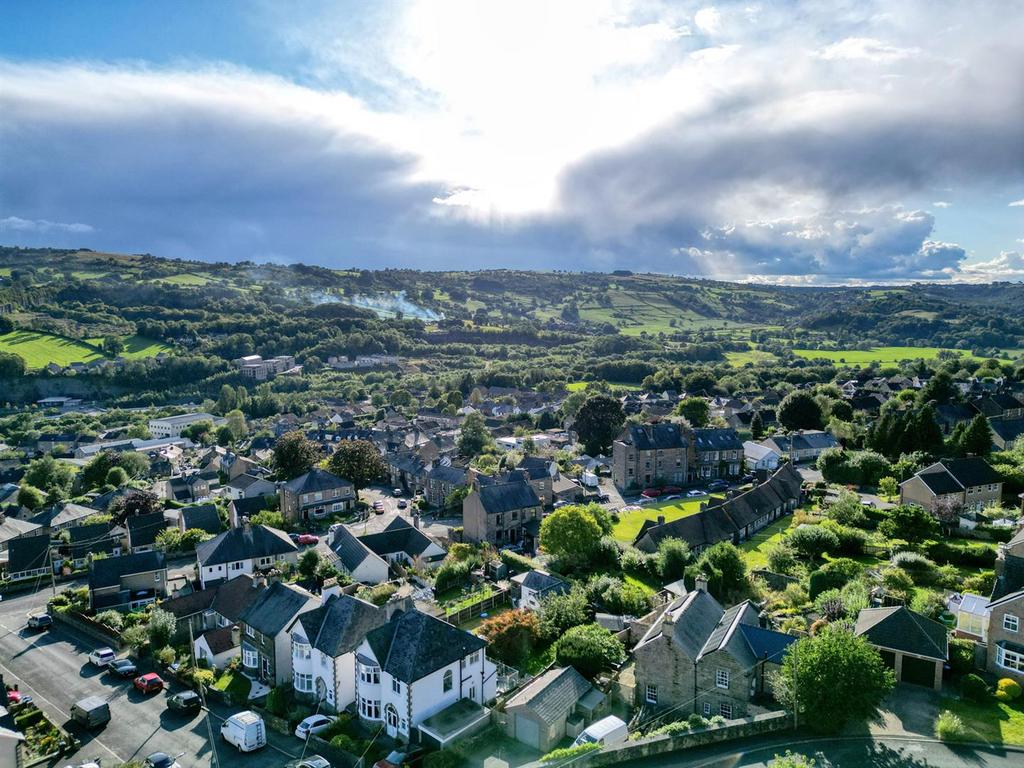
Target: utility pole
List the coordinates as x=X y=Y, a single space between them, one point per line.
x=202 y=697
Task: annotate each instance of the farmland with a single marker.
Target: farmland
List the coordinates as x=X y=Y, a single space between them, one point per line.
x=38 y=349
x=630 y=523
x=873 y=355
x=137 y=347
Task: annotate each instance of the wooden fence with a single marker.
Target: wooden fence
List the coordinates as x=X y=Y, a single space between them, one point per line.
x=462 y=615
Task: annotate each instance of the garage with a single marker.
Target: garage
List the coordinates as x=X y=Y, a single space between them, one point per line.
x=913 y=646
x=918 y=671
x=528 y=731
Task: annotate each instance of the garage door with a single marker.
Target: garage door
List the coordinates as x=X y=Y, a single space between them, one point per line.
x=918 y=671
x=528 y=731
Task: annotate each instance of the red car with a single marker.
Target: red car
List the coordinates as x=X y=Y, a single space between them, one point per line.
x=149 y=683
x=307 y=538
x=651 y=493
x=671 y=489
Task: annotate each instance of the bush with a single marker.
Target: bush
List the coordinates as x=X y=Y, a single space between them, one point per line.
x=135 y=637
x=511 y=635
x=949 y=727
x=166 y=655
x=716 y=720
x=980 y=584
x=346 y=743
x=446 y=758
x=639 y=563
x=671 y=729
x=590 y=648
x=277 y=701
x=616 y=597
x=566 y=753
x=112 y=619
x=834 y=575
x=813 y=541
x=830 y=604
x=961 y=656
x=1007 y=689
x=452 y=574
x=792 y=760
x=928 y=603
x=673 y=555
x=203 y=677
x=918 y=567
x=560 y=613
x=516 y=562
x=378 y=594
x=782 y=558
x=851 y=540
x=161 y=627
x=696 y=721
x=968 y=555
x=973 y=688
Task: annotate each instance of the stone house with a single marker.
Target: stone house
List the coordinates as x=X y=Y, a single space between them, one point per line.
x=647 y=453
x=266 y=645
x=502 y=513
x=315 y=495
x=802 y=445
x=717 y=453
x=967 y=484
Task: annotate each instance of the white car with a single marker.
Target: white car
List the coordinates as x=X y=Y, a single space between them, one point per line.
x=695 y=493
x=313 y=724
x=102 y=657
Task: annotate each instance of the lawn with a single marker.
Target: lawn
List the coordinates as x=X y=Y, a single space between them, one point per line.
x=873 y=355
x=136 y=347
x=577 y=386
x=235 y=684
x=630 y=523
x=457 y=598
x=750 y=356
x=185 y=278
x=755 y=549
x=993 y=722
x=39 y=349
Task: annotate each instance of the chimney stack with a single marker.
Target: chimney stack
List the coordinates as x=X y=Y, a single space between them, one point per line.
x=701 y=583
x=329 y=589
x=415 y=519
x=236 y=636
x=661 y=519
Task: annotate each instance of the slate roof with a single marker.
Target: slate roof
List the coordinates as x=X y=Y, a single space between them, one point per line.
x=219 y=640
x=107 y=572
x=413 y=645
x=349 y=549
x=553 y=695
x=650 y=437
x=766 y=643
x=504 y=497
x=66 y=513
x=275 y=607
x=714 y=439
x=940 y=482
x=338 y=626
x=689 y=620
x=539 y=581
x=900 y=629
x=12 y=527
x=228 y=598
x=251 y=507
x=535 y=467
x=203 y=517
x=142 y=529
x=398 y=536
x=316 y=480
x=447 y=474
x=28 y=553
x=95 y=538
x=954 y=475
x=244 y=543
x=811 y=439
x=1011 y=578
x=1007 y=429
x=726 y=627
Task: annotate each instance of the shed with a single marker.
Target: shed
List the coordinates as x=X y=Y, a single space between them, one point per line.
x=537 y=714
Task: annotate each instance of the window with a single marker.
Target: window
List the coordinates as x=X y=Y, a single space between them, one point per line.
x=369 y=708
x=303 y=682
x=722 y=678
x=300 y=650
x=250 y=658
x=336 y=507
x=707 y=709
x=651 y=694
x=725 y=710
x=1009 y=659
x=369 y=674
x=1011 y=623
x=447 y=684
x=396 y=685
x=250 y=631
x=236 y=566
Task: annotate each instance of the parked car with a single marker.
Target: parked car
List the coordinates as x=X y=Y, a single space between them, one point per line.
x=313 y=761
x=307 y=538
x=17 y=697
x=163 y=760
x=294 y=537
x=651 y=493
x=398 y=492
x=671 y=489
x=40 y=621
x=150 y=682
x=673 y=497
x=91 y=712
x=696 y=492
x=718 y=485
x=94 y=763
x=402 y=503
x=186 y=701
x=313 y=724
x=123 y=667
x=245 y=731
x=101 y=657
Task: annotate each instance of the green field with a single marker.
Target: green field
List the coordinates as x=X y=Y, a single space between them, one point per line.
x=752 y=356
x=874 y=355
x=185 y=278
x=136 y=347
x=630 y=523
x=577 y=386
x=39 y=349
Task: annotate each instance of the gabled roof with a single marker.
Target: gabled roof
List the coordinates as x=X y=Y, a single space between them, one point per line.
x=219 y=640
x=717 y=439
x=28 y=553
x=536 y=467
x=900 y=629
x=504 y=497
x=338 y=626
x=244 y=543
x=398 y=536
x=316 y=480
x=413 y=645
x=275 y=608
x=142 y=529
x=650 y=437
x=552 y=695
x=689 y=620
x=253 y=506
x=107 y=572
x=12 y=527
x=349 y=549
x=955 y=475
x=95 y=537
x=766 y=644
x=203 y=517
x=540 y=581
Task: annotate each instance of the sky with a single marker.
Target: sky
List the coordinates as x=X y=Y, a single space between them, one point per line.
x=839 y=141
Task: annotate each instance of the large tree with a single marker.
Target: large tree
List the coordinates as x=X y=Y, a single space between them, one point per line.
x=723 y=566
x=473 y=435
x=598 y=422
x=12 y=366
x=589 y=648
x=799 y=410
x=908 y=522
x=695 y=410
x=294 y=455
x=832 y=678
x=976 y=439
x=359 y=462
x=570 y=533
x=51 y=476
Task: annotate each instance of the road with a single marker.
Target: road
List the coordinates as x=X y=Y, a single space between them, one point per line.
x=52 y=667
x=849 y=752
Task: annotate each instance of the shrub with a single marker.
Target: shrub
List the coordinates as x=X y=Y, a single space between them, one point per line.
x=851 y=540
x=590 y=648
x=949 y=727
x=792 y=760
x=446 y=758
x=830 y=604
x=112 y=619
x=516 y=562
x=855 y=597
x=794 y=595
x=346 y=743
x=1007 y=689
x=716 y=720
x=782 y=558
x=961 y=656
x=671 y=729
x=277 y=701
x=639 y=563
x=560 y=613
x=696 y=721
x=918 y=567
x=673 y=555
x=135 y=637
x=161 y=627
x=166 y=655
x=566 y=753
x=616 y=597
x=980 y=584
x=451 y=574
x=928 y=603
x=203 y=677
x=897 y=581
x=813 y=541
x=378 y=594
x=511 y=635
x=973 y=688
x=834 y=575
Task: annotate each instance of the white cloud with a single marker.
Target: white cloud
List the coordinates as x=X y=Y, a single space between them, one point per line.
x=942 y=204
x=1017 y=203
x=708 y=20
x=16 y=224
x=867 y=49
x=1008 y=265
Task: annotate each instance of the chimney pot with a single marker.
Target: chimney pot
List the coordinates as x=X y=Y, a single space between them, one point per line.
x=661 y=519
x=701 y=583
x=236 y=635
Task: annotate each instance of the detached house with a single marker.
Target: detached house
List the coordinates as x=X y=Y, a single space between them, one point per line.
x=502 y=513
x=404 y=543
x=315 y=494
x=915 y=647
x=266 y=644
x=961 y=484
x=803 y=445
x=1006 y=612
x=242 y=551
x=127 y=582
x=416 y=667
x=352 y=557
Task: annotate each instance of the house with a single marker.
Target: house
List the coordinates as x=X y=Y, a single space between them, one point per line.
x=92 y=540
x=967 y=484
x=249 y=487
x=186 y=489
x=915 y=647
x=972 y=617
x=539 y=713
x=13 y=528
x=351 y=556
x=1006 y=636
x=736 y=519
x=759 y=456
x=647 y=453
x=240 y=509
x=699 y=657
x=803 y=445
x=440 y=481
x=172 y=426
x=62 y=517
x=127 y=582
x=1006 y=433
x=534 y=585
x=214 y=607
x=949 y=415
x=502 y=513
x=143 y=530
x=203 y=517
x=416 y=667
x=217 y=647
x=10 y=743
x=315 y=494
x=29 y=557
x=999 y=405
x=1009 y=567
x=266 y=645
x=324 y=642
x=539 y=472
x=242 y=551
x=404 y=543
x=716 y=453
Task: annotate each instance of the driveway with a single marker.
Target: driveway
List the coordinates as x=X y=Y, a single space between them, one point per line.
x=52 y=667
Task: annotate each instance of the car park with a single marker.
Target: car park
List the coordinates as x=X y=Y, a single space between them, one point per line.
x=40 y=621
x=150 y=682
x=186 y=701
x=101 y=657
x=123 y=667
x=313 y=724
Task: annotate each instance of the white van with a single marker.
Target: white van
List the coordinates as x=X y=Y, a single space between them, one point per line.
x=607 y=732
x=245 y=730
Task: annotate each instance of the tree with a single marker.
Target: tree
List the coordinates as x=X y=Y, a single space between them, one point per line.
x=723 y=566
x=757 y=426
x=695 y=410
x=598 y=422
x=888 y=487
x=308 y=563
x=161 y=627
x=270 y=518
x=294 y=455
x=559 y=613
x=908 y=522
x=813 y=541
x=511 y=636
x=474 y=436
x=12 y=366
x=570 y=533
x=832 y=678
x=590 y=649
x=939 y=389
x=799 y=410
x=49 y=475
x=359 y=462
x=134 y=503
x=112 y=346
x=976 y=439
x=236 y=423
x=782 y=558
x=225 y=436
x=116 y=477
x=31 y=498
x=673 y=555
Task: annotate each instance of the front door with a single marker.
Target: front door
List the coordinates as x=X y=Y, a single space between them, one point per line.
x=391 y=720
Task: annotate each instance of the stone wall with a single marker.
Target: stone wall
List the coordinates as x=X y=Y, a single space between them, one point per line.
x=736 y=695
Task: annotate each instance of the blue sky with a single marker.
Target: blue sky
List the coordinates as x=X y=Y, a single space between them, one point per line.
x=801 y=143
